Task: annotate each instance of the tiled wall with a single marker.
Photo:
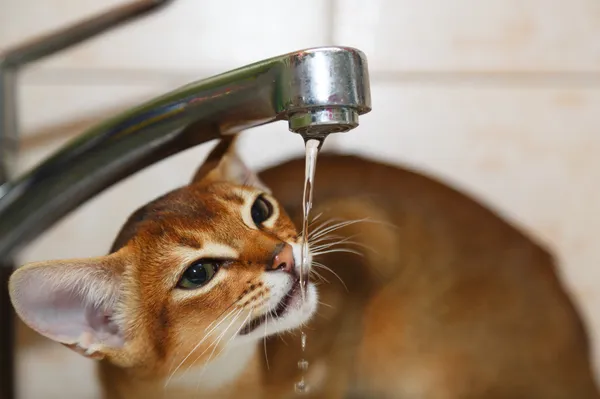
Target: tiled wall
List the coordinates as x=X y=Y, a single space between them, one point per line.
x=499 y=97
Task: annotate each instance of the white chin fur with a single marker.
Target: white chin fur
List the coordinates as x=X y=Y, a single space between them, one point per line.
x=297 y=314
x=298 y=311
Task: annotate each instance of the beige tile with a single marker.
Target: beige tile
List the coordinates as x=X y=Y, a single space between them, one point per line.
x=474 y=35
x=187 y=35
x=51 y=371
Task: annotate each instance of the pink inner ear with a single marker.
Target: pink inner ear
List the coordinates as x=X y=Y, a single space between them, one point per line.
x=65 y=312
x=237 y=172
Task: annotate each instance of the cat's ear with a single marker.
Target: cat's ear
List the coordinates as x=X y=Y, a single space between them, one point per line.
x=224 y=164
x=72 y=302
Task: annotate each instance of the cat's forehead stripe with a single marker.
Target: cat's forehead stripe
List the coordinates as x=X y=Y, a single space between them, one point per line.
x=189 y=240
x=234 y=197
x=208 y=250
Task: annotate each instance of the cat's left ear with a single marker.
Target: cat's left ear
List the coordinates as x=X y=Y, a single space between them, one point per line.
x=72 y=302
x=224 y=164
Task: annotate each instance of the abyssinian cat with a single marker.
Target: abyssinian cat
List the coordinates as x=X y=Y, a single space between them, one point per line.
x=417 y=292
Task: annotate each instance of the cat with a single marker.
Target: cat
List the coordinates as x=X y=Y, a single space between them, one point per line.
x=416 y=292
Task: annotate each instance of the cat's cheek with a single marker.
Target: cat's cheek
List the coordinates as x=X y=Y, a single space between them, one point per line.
x=279 y=285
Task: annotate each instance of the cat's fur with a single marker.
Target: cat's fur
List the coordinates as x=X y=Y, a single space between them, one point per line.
x=447 y=301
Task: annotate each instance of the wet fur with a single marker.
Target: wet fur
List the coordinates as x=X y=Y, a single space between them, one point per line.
x=447 y=301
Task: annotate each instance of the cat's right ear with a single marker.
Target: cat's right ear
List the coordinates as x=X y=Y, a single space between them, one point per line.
x=225 y=146
x=224 y=164
x=72 y=302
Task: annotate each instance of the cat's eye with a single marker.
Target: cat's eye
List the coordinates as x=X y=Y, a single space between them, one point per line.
x=198 y=274
x=261 y=210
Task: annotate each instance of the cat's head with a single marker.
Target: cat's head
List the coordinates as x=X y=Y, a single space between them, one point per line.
x=211 y=264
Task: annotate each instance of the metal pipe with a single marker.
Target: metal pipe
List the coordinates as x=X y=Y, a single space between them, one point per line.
x=8 y=122
x=319 y=91
x=14 y=58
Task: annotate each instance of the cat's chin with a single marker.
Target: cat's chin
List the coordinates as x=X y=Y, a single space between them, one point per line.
x=292 y=312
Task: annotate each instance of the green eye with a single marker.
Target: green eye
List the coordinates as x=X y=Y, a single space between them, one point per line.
x=198 y=274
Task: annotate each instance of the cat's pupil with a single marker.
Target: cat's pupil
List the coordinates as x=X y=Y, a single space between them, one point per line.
x=197 y=275
x=261 y=210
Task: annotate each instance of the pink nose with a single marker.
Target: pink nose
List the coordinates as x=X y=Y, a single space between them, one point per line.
x=284 y=260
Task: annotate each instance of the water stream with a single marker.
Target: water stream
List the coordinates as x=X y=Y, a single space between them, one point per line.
x=312 y=150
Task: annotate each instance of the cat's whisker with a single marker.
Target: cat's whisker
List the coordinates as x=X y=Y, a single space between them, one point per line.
x=322 y=226
x=221 y=321
x=326 y=238
x=349 y=240
x=321 y=315
x=316 y=233
x=320 y=279
x=337 y=226
x=325 y=304
x=316 y=229
x=265 y=340
x=316 y=217
x=217 y=318
x=176 y=350
x=319 y=276
x=335 y=239
x=330 y=222
x=333 y=244
x=198 y=345
x=318 y=264
x=215 y=345
x=194 y=349
x=226 y=346
x=280 y=335
x=319 y=248
x=329 y=251
x=311 y=223
x=326 y=223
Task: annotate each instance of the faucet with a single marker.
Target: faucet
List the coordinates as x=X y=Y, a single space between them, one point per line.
x=317 y=91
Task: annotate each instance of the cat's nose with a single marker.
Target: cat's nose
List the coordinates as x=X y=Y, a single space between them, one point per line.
x=283 y=259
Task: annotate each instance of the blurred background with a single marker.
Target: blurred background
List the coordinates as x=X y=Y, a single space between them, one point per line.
x=499 y=98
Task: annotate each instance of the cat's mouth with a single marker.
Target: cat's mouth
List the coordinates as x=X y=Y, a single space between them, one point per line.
x=279 y=311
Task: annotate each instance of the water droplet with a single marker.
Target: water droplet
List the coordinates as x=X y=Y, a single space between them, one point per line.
x=303 y=340
x=303 y=364
x=301 y=387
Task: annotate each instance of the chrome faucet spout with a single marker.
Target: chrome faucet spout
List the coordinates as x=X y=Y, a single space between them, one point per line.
x=318 y=91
